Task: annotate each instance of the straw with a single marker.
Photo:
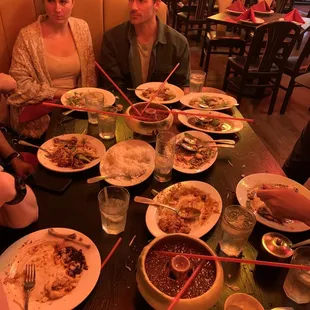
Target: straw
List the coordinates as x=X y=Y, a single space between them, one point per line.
x=142 y=118
x=161 y=87
x=186 y=286
x=53 y=105
x=111 y=252
x=236 y=260
x=115 y=85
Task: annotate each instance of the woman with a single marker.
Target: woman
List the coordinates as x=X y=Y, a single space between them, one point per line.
x=50 y=57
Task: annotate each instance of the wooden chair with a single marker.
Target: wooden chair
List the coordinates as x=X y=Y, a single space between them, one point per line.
x=294 y=67
x=267 y=69
x=283 y=6
x=193 y=14
x=221 y=38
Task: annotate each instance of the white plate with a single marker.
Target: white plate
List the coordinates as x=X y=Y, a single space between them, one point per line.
x=109 y=98
x=264 y=13
x=258 y=21
x=84 y=287
x=187 y=98
x=204 y=137
x=132 y=144
x=268 y=178
x=48 y=145
x=177 y=91
x=236 y=125
x=234 y=12
x=151 y=216
x=297 y=23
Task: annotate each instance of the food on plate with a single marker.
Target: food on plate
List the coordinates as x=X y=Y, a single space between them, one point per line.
x=165 y=94
x=127 y=162
x=182 y=196
x=160 y=273
x=76 y=99
x=208 y=123
x=209 y=102
x=150 y=114
x=258 y=205
x=192 y=153
x=58 y=270
x=72 y=153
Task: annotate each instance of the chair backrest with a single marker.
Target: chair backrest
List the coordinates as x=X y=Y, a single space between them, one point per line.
x=305 y=53
x=281 y=37
x=280 y=5
x=195 y=8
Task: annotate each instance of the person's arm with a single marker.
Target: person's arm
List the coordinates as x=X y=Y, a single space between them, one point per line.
x=7 y=83
x=91 y=78
x=29 y=90
x=21 y=168
x=110 y=63
x=297 y=165
x=21 y=214
x=286 y=203
x=181 y=75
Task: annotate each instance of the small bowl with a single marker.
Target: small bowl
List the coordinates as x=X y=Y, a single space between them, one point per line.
x=241 y=301
x=149 y=128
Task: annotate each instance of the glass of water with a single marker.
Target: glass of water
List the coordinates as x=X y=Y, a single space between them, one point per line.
x=196 y=81
x=113 y=205
x=94 y=101
x=164 y=156
x=237 y=224
x=107 y=123
x=297 y=282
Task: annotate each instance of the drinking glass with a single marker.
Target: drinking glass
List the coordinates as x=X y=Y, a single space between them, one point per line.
x=297 y=282
x=113 y=205
x=164 y=157
x=107 y=123
x=197 y=80
x=237 y=224
x=94 y=101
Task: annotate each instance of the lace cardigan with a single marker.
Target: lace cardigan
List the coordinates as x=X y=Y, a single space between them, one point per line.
x=29 y=69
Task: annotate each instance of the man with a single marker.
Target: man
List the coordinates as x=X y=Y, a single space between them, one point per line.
x=18 y=205
x=144 y=49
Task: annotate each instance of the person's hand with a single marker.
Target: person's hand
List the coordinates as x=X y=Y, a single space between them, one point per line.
x=21 y=168
x=286 y=203
x=7 y=83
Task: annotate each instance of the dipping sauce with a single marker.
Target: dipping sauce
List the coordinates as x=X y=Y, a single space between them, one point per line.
x=154 y=112
x=158 y=269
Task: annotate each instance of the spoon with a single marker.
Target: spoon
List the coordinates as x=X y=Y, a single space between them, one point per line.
x=194 y=148
x=185 y=213
x=21 y=142
x=193 y=140
x=133 y=89
x=301 y=243
x=103 y=177
x=67 y=112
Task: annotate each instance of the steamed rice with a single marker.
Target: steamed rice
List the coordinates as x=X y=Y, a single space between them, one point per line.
x=130 y=160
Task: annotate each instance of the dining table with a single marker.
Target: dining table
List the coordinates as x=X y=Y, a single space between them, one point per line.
x=77 y=208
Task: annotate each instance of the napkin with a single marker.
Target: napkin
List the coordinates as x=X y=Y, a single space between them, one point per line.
x=32 y=112
x=261 y=7
x=247 y=15
x=294 y=16
x=237 y=6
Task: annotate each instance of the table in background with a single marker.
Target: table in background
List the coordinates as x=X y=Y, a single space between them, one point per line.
x=77 y=208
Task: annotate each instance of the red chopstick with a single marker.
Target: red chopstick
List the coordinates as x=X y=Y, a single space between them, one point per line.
x=237 y=260
x=50 y=104
x=115 y=85
x=186 y=286
x=161 y=87
x=111 y=252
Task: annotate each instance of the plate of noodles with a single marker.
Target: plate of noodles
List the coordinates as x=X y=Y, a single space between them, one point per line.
x=169 y=94
x=246 y=193
x=71 y=153
x=76 y=97
x=196 y=194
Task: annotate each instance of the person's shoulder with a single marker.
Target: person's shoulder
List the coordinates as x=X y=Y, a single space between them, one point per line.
x=118 y=30
x=30 y=29
x=175 y=36
x=78 y=22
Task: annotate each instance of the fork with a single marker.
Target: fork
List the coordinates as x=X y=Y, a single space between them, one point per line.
x=29 y=282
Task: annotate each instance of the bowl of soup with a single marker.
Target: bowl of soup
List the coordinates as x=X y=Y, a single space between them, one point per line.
x=156 y=118
x=160 y=277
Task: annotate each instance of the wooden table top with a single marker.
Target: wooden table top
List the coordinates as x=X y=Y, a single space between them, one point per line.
x=77 y=208
x=226 y=18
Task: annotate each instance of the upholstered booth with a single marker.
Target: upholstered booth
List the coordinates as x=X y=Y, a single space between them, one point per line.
x=101 y=15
